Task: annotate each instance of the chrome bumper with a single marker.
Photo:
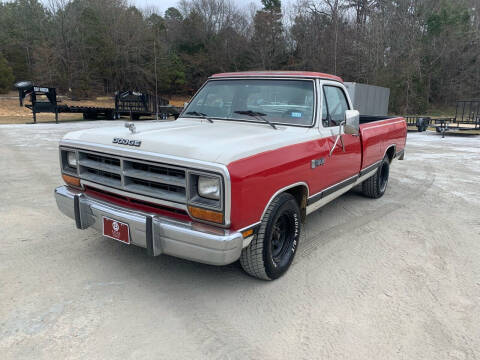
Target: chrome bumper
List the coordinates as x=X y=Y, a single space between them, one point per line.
x=158 y=234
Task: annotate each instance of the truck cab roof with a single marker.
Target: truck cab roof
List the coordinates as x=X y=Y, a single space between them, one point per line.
x=290 y=74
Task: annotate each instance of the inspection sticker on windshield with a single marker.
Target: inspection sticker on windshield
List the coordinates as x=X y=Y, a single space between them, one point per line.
x=296 y=114
x=116 y=230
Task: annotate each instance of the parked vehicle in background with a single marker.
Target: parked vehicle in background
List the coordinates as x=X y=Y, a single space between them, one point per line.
x=236 y=175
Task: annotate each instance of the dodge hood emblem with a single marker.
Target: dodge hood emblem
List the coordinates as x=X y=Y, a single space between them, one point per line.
x=122 y=141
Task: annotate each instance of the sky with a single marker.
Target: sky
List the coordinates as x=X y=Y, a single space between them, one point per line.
x=163 y=5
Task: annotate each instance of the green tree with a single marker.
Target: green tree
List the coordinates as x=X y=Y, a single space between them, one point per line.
x=447 y=44
x=22 y=25
x=6 y=76
x=272 y=5
x=172 y=74
x=268 y=37
x=173 y=14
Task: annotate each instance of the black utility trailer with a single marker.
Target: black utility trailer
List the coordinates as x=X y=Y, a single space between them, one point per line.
x=467 y=118
x=136 y=104
x=468 y=113
x=133 y=104
x=421 y=122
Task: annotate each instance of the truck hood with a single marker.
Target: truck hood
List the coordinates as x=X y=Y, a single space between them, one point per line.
x=219 y=142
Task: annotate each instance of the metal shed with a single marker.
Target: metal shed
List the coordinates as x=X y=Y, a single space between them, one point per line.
x=369 y=99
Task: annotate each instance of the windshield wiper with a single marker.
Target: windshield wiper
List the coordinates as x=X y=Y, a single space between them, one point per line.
x=256 y=115
x=199 y=114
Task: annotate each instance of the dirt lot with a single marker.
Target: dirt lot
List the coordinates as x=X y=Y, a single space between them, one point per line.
x=394 y=278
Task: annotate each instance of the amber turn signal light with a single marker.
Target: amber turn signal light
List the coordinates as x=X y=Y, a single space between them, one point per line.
x=207 y=215
x=247 y=233
x=70 y=180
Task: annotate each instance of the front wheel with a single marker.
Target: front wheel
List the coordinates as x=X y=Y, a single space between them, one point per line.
x=273 y=248
x=374 y=187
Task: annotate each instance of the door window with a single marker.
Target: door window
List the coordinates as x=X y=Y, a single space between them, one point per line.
x=334 y=107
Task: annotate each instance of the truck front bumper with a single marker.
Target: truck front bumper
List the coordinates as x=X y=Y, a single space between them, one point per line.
x=158 y=234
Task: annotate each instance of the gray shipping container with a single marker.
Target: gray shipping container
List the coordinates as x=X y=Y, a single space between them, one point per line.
x=369 y=99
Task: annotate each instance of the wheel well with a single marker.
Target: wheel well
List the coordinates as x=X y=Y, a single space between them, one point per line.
x=391 y=152
x=300 y=193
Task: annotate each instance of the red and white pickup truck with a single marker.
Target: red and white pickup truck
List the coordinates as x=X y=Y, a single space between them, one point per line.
x=235 y=176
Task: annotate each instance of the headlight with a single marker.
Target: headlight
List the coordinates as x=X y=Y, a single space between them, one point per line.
x=72 y=159
x=209 y=187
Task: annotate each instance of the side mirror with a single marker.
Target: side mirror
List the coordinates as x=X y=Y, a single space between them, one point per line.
x=352 y=122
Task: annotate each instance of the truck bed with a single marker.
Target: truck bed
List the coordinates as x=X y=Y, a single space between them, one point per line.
x=364 y=119
x=379 y=133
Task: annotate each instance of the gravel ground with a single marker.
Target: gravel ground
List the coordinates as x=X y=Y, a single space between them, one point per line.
x=394 y=278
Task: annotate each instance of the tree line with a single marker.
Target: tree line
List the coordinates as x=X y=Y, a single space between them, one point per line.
x=426 y=51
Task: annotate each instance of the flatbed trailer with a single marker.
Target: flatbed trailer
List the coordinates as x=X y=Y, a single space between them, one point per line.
x=44 y=100
x=127 y=103
x=89 y=112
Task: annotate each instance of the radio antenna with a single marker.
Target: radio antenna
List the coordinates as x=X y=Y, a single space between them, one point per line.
x=156 y=79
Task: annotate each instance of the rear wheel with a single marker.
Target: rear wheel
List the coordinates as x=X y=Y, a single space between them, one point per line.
x=375 y=186
x=109 y=115
x=273 y=248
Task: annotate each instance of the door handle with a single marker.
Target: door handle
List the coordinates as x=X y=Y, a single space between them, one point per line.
x=339 y=138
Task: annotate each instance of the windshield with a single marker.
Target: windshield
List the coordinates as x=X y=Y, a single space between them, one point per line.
x=288 y=102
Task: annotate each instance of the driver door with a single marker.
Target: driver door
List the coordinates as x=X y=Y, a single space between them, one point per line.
x=345 y=161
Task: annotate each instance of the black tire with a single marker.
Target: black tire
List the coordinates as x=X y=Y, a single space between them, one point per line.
x=273 y=248
x=375 y=186
x=89 y=116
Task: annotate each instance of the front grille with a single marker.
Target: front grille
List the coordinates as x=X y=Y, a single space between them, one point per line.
x=156 y=180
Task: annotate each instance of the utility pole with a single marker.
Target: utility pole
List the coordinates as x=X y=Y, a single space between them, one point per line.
x=156 y=79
